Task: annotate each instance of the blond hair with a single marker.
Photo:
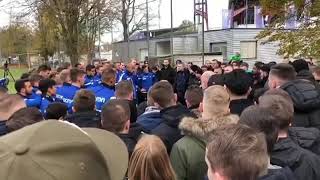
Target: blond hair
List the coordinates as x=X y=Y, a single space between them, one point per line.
x=150 y=160
x=216 y=101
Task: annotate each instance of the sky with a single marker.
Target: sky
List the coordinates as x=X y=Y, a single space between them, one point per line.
x=182 y=10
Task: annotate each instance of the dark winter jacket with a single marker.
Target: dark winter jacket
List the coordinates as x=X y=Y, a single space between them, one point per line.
x=279 y=174
x=85 y=119
x=182 y=79
x=132 y=138
x=306 y=99
x=168 y=74
x=238 y=105
x=133 y=111
x=150 y=119
x=188 y=154
x=168 y=129
x=307 y=138
x=304 y=164
x=3 y=128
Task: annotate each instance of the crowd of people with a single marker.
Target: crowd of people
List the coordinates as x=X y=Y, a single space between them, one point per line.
x=115 y=121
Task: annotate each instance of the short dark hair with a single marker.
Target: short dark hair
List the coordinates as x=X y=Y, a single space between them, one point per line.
x=300 y=65
x=123 y=89
x=244 y=64
x=23 y=118
x=114 y=115
x=238 y=152
x=107 y=75
x=45 y=84
x=84 y=101
x=194 y=95
x=56 y=110
x=25 y=76
x=162 y=93
x=77 y=64
x=89 y=67
x=20 y=84
x=238 y=82
x=283 y=71
x=35 y=78
x=65 y=65
x=217 y=79
x=44 y=67
x=281 y=108
x=75 y=73
x=262 y=120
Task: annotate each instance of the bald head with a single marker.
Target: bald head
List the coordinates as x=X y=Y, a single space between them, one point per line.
x=205 y=79
x=216 y=101
x=9 y=104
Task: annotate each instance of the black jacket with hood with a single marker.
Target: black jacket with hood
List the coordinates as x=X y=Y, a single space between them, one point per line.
x=306 y=99
x=168 y=129
x=304 y=164
x=90 y=119
x=307 y=138
x=279 y=174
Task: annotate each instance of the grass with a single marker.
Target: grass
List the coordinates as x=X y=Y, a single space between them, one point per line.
x=16 y=73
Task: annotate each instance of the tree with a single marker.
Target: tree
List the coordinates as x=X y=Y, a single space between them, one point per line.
x=304 y=41
x=186 y=26
x=71 y=18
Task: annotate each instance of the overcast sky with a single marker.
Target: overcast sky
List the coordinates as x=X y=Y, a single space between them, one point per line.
x=182 y=10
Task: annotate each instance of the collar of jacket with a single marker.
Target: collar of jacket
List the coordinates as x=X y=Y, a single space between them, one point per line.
x=107 y=86
x=202 y=128
x=66 y=84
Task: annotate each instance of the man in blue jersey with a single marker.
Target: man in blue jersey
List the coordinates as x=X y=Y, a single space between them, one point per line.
x=24 y=89
x=48 y=89
x=90 y=79
x=67 y=92
x=105 y=91
x=44 y=71
x=34 y=80
x=128 y=75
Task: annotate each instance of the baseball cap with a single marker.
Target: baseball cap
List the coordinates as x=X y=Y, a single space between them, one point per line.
x=54 y=150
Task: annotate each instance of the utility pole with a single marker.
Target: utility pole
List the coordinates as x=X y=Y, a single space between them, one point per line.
x=247 y=10
x=202 y=32
x=171 y=31
x=99 y=30
x=147 y=24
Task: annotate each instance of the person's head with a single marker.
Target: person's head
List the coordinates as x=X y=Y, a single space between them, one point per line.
x=180 y=67
x=35 y=79
x=163 y=95
x=166 y=62
x=63 y=150
x=109 y=77
x=66 y=65
x=124 y=90
x=145 y=68
x=48 y=87
x=122 y=66
x=218 y=71
x=99 y=69
x=65 y=76
x=237 y=152
x=205 y=79
x=9 y=104
x=23 y=87
x=244 y=66
x=130 y=67
x=56 y=111
x=257 y=66
x=228 y=69
x=196 y=70
x=150 y=160
x=193 y=96
x=204 y=68
x=300 y=65
x=262 y=120
x=77 y=76
x=281 y=107
x=117 y=66
x=216 y=101
x=84 y=101
x=115 y=116
x=236 y=64
x=23 y=117
x=25 y=75
x=44 y=71
x=79 y=66
x=280 y=74
x=215 y=64
x=238 y=83
x=316 y=73
x=90 y=70
x=217 y=79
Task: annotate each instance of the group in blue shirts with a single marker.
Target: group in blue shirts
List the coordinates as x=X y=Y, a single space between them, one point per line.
x=102 y=83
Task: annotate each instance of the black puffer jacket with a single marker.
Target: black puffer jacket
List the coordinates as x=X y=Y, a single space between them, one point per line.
x=279 y=174
x=304 y=164
x=168 y=129
x=168 y=74
x=307 y=138
x=306 y=99
x=85 y=119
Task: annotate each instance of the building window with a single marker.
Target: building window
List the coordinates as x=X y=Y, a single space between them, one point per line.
x=248 y=49
x=219 y=49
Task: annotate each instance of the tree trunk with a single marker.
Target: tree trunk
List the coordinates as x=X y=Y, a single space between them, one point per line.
x=124 y=21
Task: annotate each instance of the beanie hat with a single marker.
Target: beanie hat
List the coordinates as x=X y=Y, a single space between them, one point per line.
x=300 y=65
x=53 y=150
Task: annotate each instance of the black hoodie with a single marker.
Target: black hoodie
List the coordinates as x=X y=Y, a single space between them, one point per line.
x=279 y=174
x=85 y=119
x=168 y=129
x=304 y=164
x=307 y=138
x=306 y=99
